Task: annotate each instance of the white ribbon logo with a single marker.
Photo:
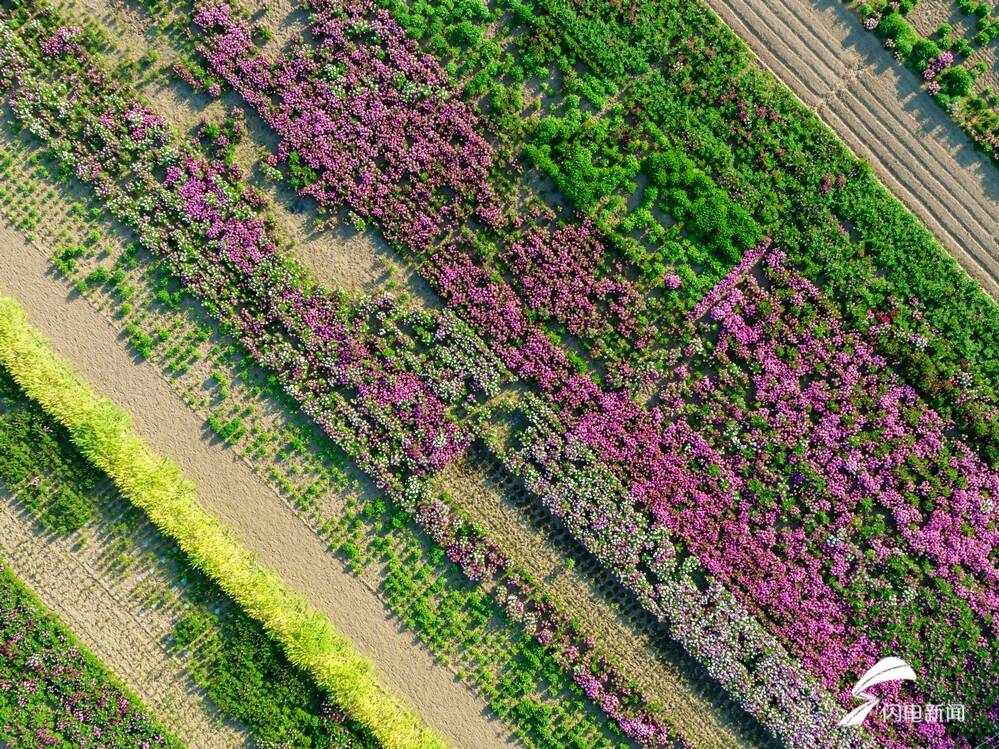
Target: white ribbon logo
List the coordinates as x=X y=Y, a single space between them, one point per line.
x=887 y=669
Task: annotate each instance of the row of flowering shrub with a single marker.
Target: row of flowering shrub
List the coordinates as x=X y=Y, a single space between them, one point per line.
x=205 y=225
x=389 y=104
x=679 y=80
x=813 y=484
x=896 y=518
x=493 y=309
x=912 y=340
x=711 y=624
x=101 y=432
x=53 y=692
x=969 y=516
x=816 y=402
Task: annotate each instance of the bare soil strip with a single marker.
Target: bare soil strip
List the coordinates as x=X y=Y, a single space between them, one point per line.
x=228 y=487
x=840 y=71
x=65 y=573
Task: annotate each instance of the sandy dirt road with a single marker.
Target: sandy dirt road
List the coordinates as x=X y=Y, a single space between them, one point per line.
x=228 y=487
x=819 y=50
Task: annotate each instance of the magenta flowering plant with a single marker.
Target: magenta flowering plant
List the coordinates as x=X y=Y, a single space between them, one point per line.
x=857 y=475
x=556 y=272
x=370 y=124
x=843 y=471
x=655 y=565
x=366 y=119
x=62 y=41
x=936 y=65
x=635 y=444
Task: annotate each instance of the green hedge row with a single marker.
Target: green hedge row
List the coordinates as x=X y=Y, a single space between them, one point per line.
x=974 y=114
x=101 y=431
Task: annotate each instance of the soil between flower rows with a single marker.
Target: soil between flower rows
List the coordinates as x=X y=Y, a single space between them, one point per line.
x=66 y=574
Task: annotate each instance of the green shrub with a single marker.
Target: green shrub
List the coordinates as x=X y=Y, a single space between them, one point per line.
x=708 y=213
x=922 y=52
x=892 y=26
x=956 y=81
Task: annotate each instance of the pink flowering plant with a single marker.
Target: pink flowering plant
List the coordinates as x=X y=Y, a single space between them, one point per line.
x=780 y=493
x=636 y=445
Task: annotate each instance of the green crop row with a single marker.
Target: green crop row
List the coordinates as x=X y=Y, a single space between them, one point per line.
x=54 y=691
x=954 y=84
x=55 y=484
x=101 y=431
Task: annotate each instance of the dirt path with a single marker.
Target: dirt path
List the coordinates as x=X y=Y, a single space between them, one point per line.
x=67 y=576
x=840 y=71
x=228 y=487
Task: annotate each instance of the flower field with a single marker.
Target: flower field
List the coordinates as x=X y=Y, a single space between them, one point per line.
x=693 y=349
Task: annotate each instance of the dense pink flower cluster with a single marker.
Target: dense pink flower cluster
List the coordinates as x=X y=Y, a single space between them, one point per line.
x=389 y=144
x=494 y=311
x=936 y=65
x=367 y=118
x=333 y=345
x=847 y=475
x=730 y=280
x=62 y=42
x=580 y=489
x=847 y=422
x=556 y=271
x=851 y=422
x=678 y=477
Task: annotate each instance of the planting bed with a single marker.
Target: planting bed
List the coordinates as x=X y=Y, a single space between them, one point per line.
x=554 y=353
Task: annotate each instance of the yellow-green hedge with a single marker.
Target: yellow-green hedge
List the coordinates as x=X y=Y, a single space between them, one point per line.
x=101 y=431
